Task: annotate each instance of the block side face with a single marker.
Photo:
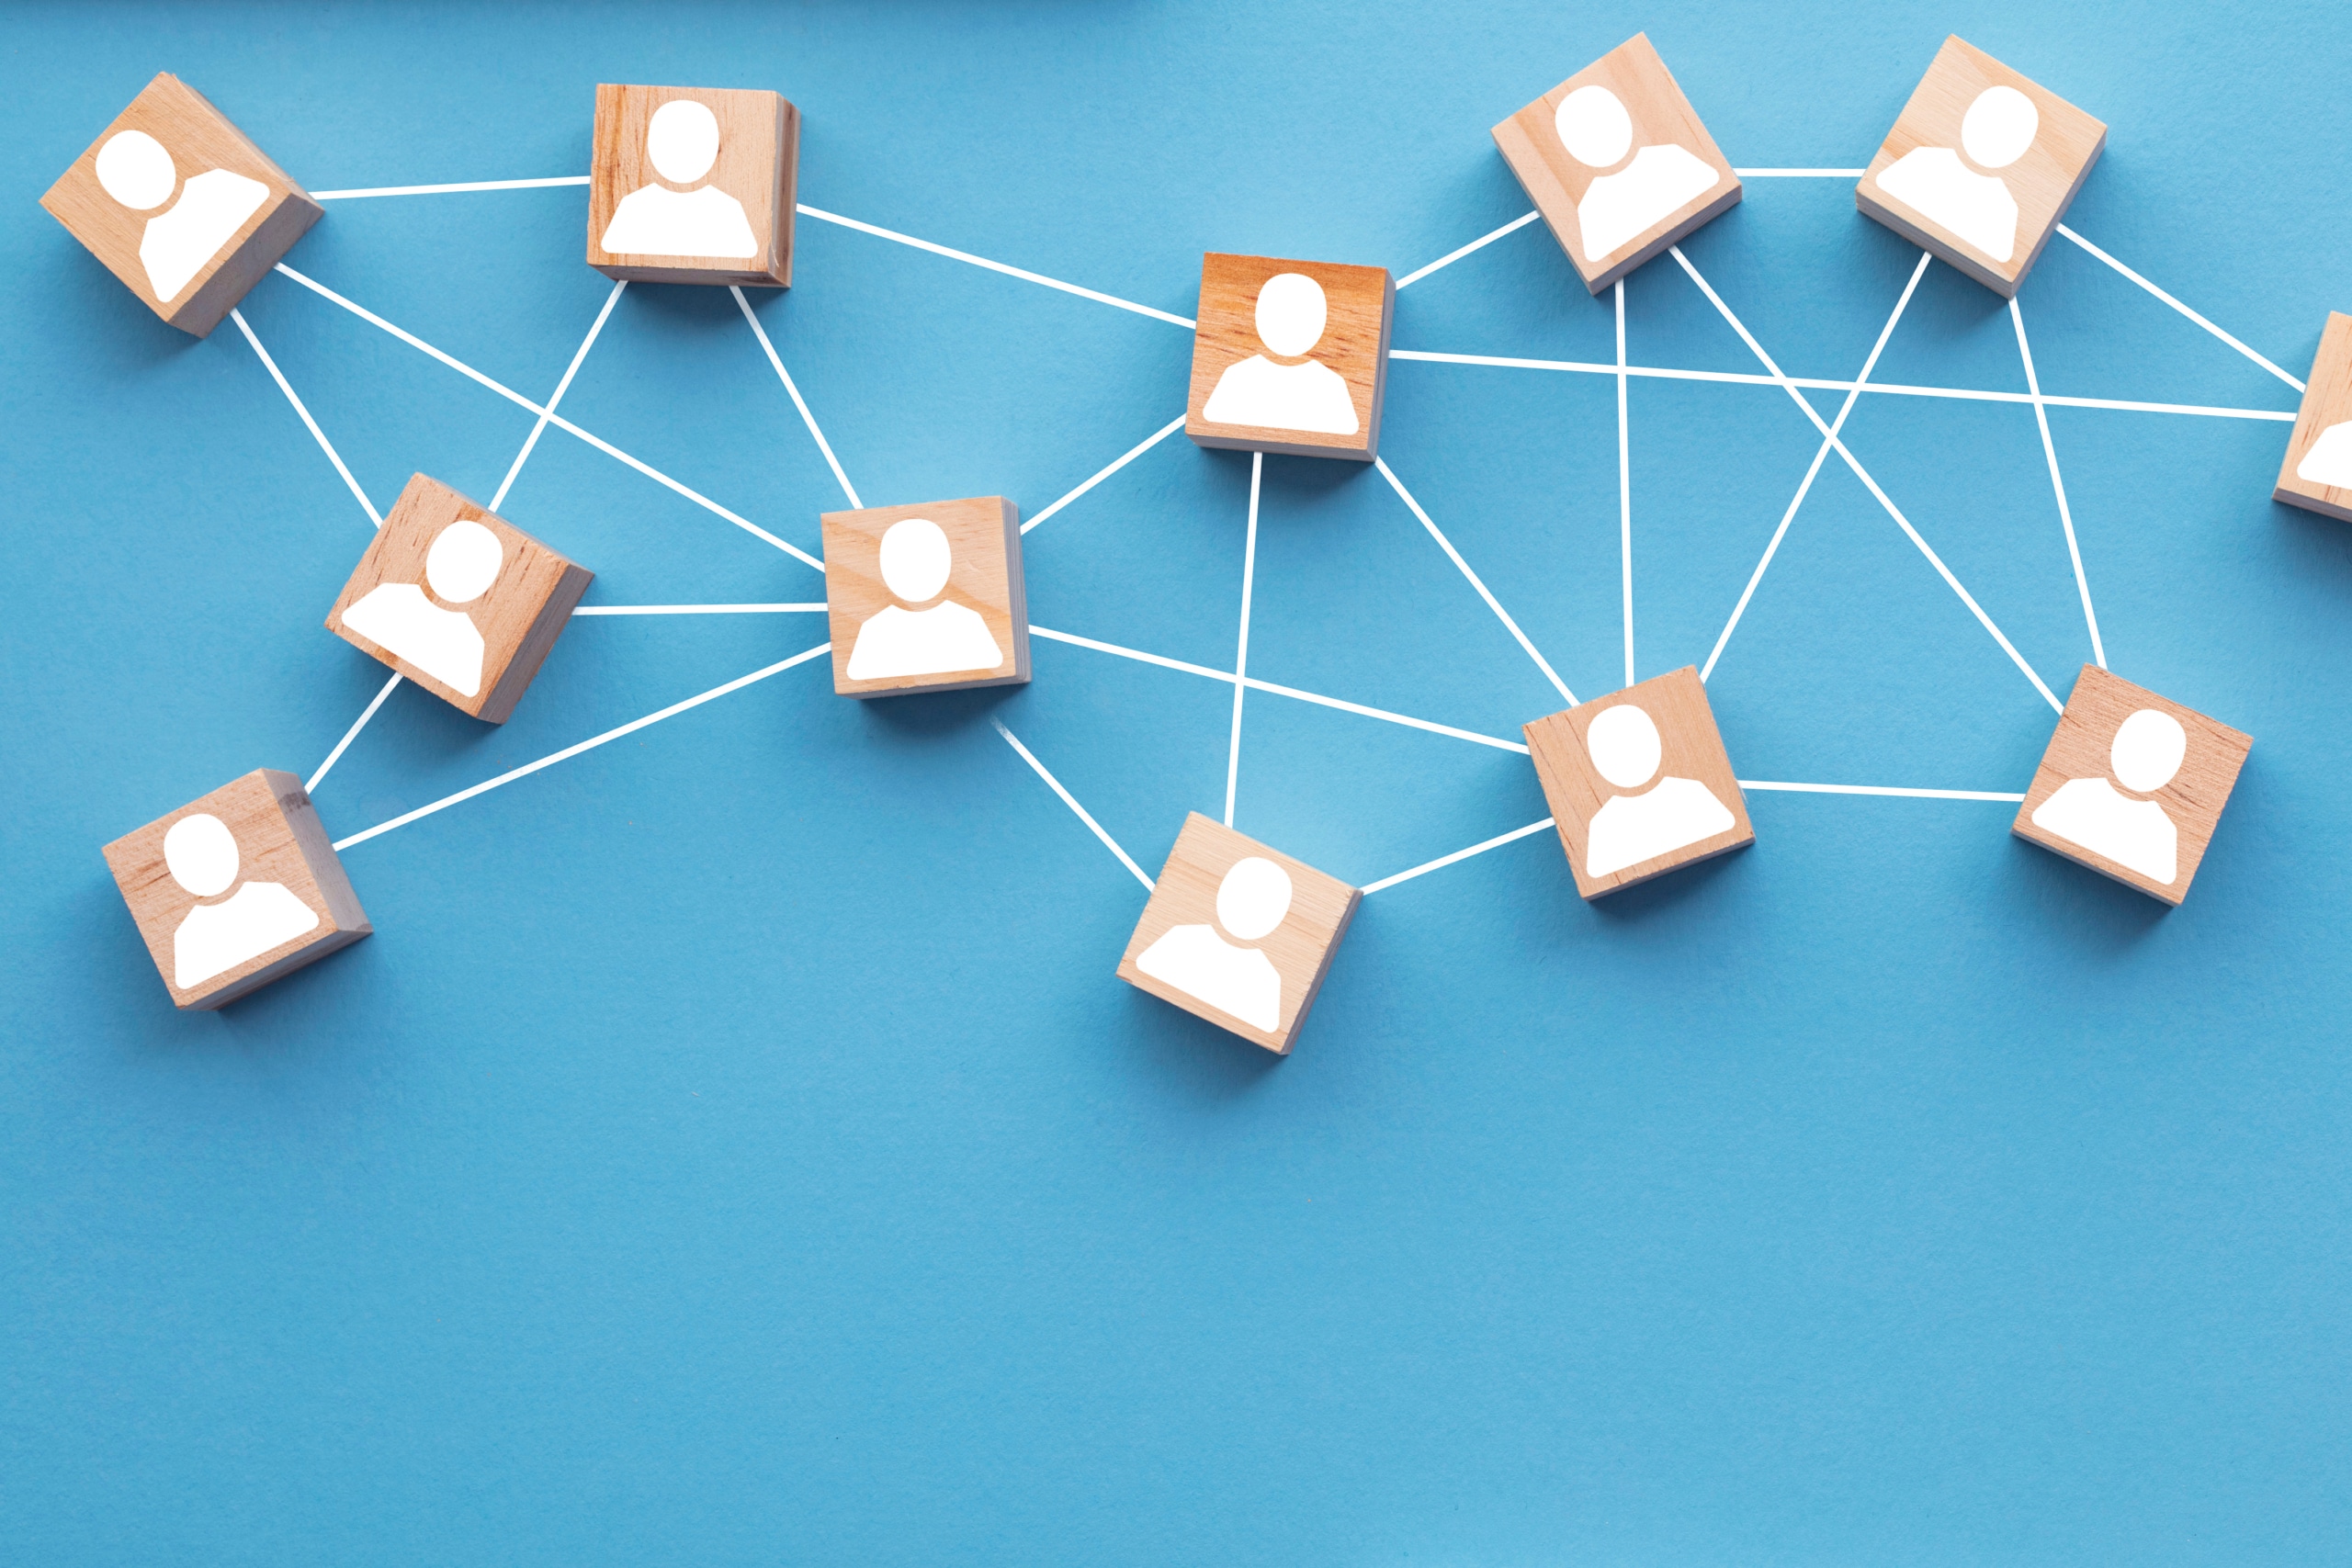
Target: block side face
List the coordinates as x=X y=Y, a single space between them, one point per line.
x=1689 y=808
x=272 y=907
x=1968 y=210
x=1334 y=384
x=539 y=641
x=967 y=633
x=2320 y=450
x=1612 y=217
x=318 y=852
x=1180 y=937
x=390 y=609
x=225 y=196
x=721 y=220
x=2076 y=808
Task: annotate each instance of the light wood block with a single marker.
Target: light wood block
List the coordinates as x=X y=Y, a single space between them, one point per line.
x=1627 y=166
x=1299 y=369
x=1234 y=943
x=2317 y=472
x=2176 y=767
x=433 y=600
x=1651 y=792
x=926 y=598
x=251 y=892
x=1980 y=184
x=705 y=196
x=189 y=213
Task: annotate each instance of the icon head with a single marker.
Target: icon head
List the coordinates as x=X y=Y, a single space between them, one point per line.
x=1624 y=746
x=1253 y=897
x=463 y=562
x=915 y=559
x=1594 y=127
x=136 y=171
x=1291 y=310
x=201 y=854
x=2147 y=750
x=1999 y=127
x=681 y=138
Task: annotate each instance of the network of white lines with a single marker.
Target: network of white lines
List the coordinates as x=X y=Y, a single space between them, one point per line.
x=1239 y=677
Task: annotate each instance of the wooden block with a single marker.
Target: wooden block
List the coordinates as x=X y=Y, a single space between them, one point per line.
x=257 y=839
x=1238 y=934
x=926 y=598
x=1981 y=166
x=1638 y=782
x=1616 y=160
x=458 y=599
x=692 y=184
x=181 y=206
x=1290 y=356
x=2176 y=768
x=2317 y=473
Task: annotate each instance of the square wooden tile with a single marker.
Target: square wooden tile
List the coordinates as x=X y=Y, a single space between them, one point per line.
x=180 y=204
x=1290 y=356
x=2176 y=766
x=1617 y=161
x=458 y=599
x=692 y=184
x=2317 y=472
x=236 y=889
x=1648 y=791
x=1981 y=166
x=1239 y=933
x=926 y=598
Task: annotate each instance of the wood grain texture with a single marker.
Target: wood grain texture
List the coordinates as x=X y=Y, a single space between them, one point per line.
x=2044 y=181
x=2327 y=403
x=201 y=138
x=519 y=616
x=1690 y=748
x=1555 y=180
x=758 y=158
x=279 y=840
x=1300 y=948
x=1360 y=306
x=2079 y=749
x=984 y=540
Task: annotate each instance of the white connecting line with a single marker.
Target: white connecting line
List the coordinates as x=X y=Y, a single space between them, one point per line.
x=1464 y=567
x=798 y=401
x=579 y=356
x=1625 y=487
x=2058 y=486
x=1242 y=646
x=1071 y=801
x=307 y=422
x=818 y=607
x=1131 y=453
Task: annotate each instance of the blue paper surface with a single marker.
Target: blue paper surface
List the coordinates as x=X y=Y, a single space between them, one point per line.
x=732 y=1146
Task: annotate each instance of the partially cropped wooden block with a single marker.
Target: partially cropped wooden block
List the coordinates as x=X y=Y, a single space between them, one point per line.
x=1290 y=356
x=458 y=599
x=1638 y=782
x=181 y=206
x=1981 y=166
x=2176 y=767
x=1617 y=161
x=692 y=184
x=233 y=890
x=926 y=598
x=2317 y=474
x=1239 y=933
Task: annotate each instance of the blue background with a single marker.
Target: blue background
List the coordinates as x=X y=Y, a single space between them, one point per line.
x=733 y=1147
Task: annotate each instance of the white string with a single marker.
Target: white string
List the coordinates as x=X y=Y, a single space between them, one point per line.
x=1497 y=842
x=1071 y=801
x=798 y=401
x=1625 y=487
x=1131 y=453
x=1800 y=173
x=1521 y=222
x=443 y=191
x=818 y=606
x=1882 y=789
x=1464 y=567
x=310 y=786
x=561 y=387
x=1022 y=273
x=1241 y=648
x=2058 y=486
x=307 y=422
x=2184 y=310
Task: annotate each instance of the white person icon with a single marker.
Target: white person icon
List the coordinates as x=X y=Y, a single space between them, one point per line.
x=1617 y=209
x=2147 y=752
x=1999 y=128
x=135 y=169
x=945 y=639
x=212 y=938
x=1252 y=901
x=446 y=644
x=1310 y=396
x=681 y=144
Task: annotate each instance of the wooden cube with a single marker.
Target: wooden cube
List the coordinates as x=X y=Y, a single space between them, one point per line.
x=926 y=598
x=1638 y=782
x=2317 y=473
x=177 y=203
x=1617 y=161
x=1239 y=933
x=1290 y=356
x=257 y=839
x=692 y=184
x=2176 y=766
x=1981 y=166
x=458 y=599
